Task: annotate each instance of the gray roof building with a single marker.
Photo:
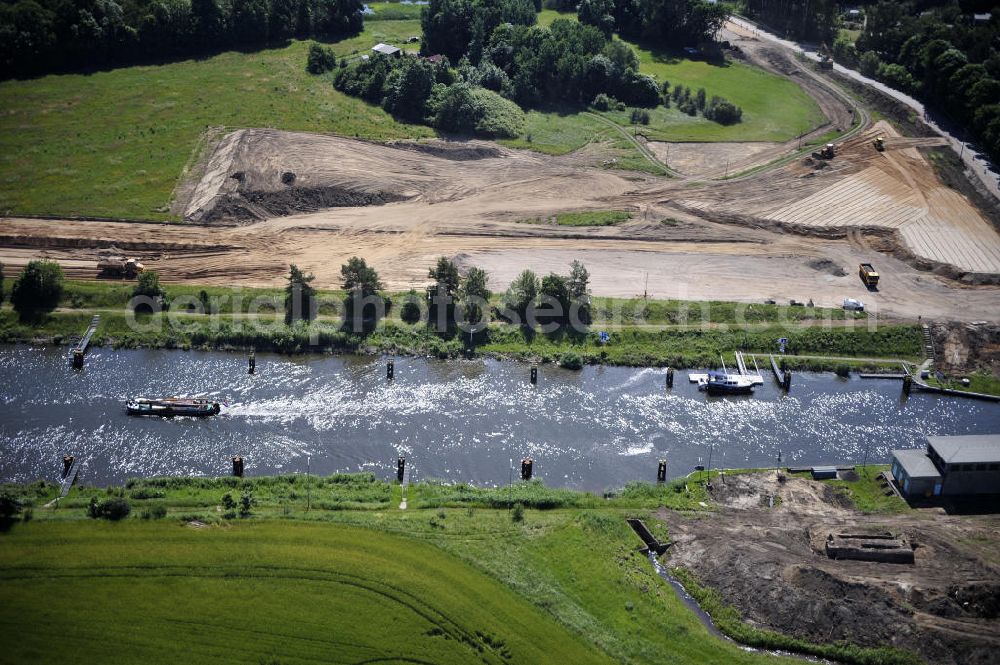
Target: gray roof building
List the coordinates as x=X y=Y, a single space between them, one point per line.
x=971 y=449
x=952 y=465
x=387 y=49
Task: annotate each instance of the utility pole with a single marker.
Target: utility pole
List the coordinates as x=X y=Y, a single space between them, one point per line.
x=510 y=484
x=709 y=475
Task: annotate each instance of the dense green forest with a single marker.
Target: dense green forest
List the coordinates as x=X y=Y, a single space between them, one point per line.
x=939 y=53
x=501 y=57
x=41 y=36
x=810 y=20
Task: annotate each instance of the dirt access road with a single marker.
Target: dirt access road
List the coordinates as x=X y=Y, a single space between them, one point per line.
x=770 y=564
x=263 y=199
x=468 y=200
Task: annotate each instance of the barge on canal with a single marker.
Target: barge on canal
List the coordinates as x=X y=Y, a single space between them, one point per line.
x=172 y=406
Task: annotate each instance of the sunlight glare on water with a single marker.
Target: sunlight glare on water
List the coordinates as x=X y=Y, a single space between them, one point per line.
x=456 y=420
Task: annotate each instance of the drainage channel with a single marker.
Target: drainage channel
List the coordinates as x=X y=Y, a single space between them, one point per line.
x=689 y=602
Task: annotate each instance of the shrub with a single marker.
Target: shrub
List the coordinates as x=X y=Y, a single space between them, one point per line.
x=113 y=509
x=603 y=102
x=410 y=312
x=517 y=515
x=571 y=360
x=723 y=111
x=151 y=296
x=321 y=59
x=37 y=289
x=157 y=512
x=465 y=109
x=247 y=502
x=228 y=503
x=640 y=116
x=10 y=505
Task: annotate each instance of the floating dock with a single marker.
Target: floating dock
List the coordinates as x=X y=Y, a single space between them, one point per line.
x=81 y=348
x=755 y=377
x=70 y=478
x=784 y=379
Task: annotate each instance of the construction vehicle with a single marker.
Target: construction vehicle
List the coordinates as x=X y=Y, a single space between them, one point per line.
x=825 y=57
x=120 y=267
x=868 y=274
x=826 y=152
x=879 y=143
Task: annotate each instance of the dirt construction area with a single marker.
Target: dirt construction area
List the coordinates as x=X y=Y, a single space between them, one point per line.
x=735 y=224
x=771 y=564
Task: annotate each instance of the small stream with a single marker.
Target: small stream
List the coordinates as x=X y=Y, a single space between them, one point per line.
x=706 y=618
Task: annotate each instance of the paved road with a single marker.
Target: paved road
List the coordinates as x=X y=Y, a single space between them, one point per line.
x=976 y=162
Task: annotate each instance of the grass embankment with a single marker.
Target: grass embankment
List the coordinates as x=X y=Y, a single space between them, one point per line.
x=453 y=578
x=114 y=143
x=643 y=333
x=866 y=493
x=979 y=382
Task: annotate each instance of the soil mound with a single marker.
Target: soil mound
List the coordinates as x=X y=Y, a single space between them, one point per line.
x=458 y=153
x=251 y=206
x=827 y=266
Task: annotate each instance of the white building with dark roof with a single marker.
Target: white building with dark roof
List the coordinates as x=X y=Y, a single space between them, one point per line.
x=950 y=465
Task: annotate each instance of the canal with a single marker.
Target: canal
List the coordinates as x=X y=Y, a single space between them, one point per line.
x=456 y=421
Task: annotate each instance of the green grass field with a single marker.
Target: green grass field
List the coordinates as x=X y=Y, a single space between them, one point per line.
x=451 y=579
x=114 y=143
x=260 y=593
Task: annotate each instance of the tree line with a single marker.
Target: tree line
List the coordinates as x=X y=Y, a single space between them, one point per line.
x=808 y=20
x=668 y=23
x=936 y=51
x=939 y=54
x=451 y=301
x=41 y=36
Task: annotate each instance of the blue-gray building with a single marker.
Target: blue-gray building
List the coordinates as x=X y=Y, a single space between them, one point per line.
x=950 y=465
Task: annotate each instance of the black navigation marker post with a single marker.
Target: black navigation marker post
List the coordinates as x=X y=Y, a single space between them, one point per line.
x=400 y=468
x=238 y=466
x=670 y=377
x=527 y=465
x=390 y=371
x=661 y=471
x=534 y=375
x=252 y=363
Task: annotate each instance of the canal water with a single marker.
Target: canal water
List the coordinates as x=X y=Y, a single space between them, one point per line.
x=456 y=421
